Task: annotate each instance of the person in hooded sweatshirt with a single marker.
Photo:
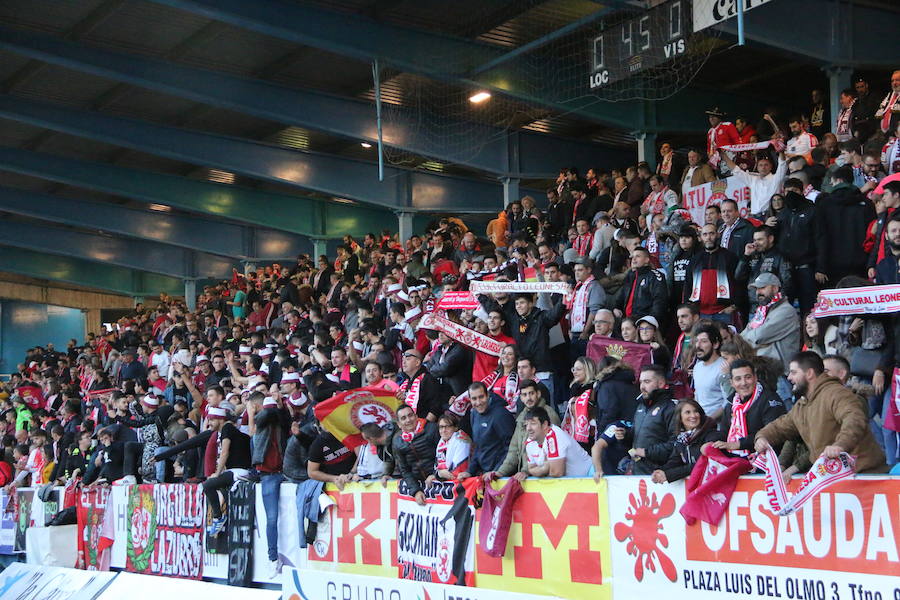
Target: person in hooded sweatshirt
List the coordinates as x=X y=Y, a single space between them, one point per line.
x=842 y=220
x=797 y=242
x=492 y=429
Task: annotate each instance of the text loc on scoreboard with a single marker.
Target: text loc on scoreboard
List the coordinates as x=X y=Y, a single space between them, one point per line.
x=639 y=43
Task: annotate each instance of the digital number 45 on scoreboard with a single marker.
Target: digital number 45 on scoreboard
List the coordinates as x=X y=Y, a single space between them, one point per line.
x=639 y=43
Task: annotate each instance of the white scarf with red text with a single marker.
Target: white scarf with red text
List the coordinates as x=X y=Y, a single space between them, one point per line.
x=580 y=305
x=577 y=421
x=824 y=473
x=411 y=388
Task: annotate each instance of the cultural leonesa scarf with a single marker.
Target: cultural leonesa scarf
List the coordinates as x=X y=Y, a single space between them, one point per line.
x=738 y=429
x=824 y=473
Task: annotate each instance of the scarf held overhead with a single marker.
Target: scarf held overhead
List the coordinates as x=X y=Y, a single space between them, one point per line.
x=875 y=299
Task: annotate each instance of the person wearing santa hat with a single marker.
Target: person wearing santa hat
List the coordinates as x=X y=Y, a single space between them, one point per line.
x=232 y=461
x=720 y=133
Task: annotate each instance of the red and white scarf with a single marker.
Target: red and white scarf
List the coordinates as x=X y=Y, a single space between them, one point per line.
x=759 y=315
x=580 y=304
x=777 y=144
x=460 y=405
x=453 y=454
x=411 y=388
x=824 y=473
x=656 y=202
x=738 y=429
x=577 y=421
x=666 y=166
x=459 y=333
x=582 y=244
x=887 y=106
x=842 y=128
x=409 y=435
x=890 y=156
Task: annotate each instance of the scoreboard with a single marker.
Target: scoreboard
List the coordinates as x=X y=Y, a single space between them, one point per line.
x=645 y=41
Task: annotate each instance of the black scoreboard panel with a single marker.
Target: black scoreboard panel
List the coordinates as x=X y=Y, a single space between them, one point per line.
x=658 y=35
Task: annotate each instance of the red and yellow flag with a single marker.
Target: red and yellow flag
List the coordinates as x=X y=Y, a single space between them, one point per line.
x=343 y=414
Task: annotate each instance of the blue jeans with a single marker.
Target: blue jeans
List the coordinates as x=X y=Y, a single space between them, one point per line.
x=271 y=491
x=888 y=437
x=728 y=319
x=160 y=465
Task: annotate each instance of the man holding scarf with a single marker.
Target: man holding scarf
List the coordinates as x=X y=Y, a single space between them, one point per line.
x=710 y=279
x=774 y=328
x=419 y=389
x=644 y=291
x=588 y=298
x=752 y=408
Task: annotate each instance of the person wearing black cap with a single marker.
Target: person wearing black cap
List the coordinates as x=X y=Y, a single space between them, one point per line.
x=720 y=133
x=864 y=110
x=644 y=291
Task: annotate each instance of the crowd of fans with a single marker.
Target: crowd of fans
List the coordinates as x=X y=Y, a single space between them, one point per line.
x=227 y=390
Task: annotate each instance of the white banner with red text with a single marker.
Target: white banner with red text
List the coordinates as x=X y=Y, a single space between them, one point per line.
x=841 y=546
x=698 y=198
x=519 y=287
x=874 y=299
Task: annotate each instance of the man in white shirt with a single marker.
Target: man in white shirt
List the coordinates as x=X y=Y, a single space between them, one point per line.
x=763 y=184
x=707 y=370
x=564 y=457
x=801 y=142
x=160 y=359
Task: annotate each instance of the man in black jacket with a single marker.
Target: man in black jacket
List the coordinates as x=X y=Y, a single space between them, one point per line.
x=888 y=269
x=757 y=405
x=451 y=364
x=711 y=282
x=419 y=389
x=842 y=219
x=415 y=447
x=653 y=433
x=794 y=226
x=530 y=328
x=736 y=231
x=761 y=256
x=644 y=290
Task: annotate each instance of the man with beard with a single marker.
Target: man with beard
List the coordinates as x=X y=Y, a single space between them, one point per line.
x=707 y=368
x=828 y=418
x=774 y=328
x=710 y=279
x=761 y=256
x=653 y=434
x=890 y=200
x=516 y=464
x=888 y=269
x=752 y=408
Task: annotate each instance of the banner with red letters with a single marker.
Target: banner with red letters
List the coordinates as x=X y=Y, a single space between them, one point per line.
x=458 y=300
x=843 y=544
x=698 y=198
x=873 y=299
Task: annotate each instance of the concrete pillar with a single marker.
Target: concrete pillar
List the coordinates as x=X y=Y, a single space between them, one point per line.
x=646 y=145
x=510 y=190
x=838 y=79
x=320 y=247
x=190 y=294
x=405 y=225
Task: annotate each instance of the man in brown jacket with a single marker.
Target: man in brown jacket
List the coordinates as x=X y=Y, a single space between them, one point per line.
x=828 y=418
x=697 y=172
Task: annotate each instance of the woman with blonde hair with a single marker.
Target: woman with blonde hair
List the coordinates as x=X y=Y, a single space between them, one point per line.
x=579 y=420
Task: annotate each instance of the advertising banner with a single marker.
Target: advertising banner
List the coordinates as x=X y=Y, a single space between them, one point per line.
x=165 y=530
x=7 y=523
x=841 y=545
x=558 y=541
x=306 y=583
x=38 y=582
x=435 y=541
x=697 y=198
x=458 y=300
x=93 y=545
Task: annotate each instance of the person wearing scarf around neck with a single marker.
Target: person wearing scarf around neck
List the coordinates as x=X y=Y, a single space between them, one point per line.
x=753 y=407
x=693 y=429
x=415 y=449
x=774 y=328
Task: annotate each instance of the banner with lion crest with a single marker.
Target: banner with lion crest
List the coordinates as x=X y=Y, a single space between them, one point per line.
x=165 y=530
x=633 y=355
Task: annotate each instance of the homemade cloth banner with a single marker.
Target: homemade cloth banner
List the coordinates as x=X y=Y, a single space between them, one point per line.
x=241 y=516
x=824 y=473
x=634 y=355
x=515 y=287
x=343 y=414
x=457 y=300
x=95 y=529
x=164 y=530
x=496 y=517
x=876 y=299
x=710 y=486
x=463 y=335
x=699 y=197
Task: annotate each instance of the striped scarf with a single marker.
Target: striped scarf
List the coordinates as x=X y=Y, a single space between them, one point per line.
x=824 y=473
x=738 y=428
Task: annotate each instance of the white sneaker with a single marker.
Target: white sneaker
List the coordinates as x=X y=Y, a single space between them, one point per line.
x=127 y=480
x=276 y=566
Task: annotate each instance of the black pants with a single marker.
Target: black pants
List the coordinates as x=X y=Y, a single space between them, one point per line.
x=134 y=453
x=805 y=288
x=211 y=488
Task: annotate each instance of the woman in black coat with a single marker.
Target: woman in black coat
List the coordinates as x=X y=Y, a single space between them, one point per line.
x=692 y=430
